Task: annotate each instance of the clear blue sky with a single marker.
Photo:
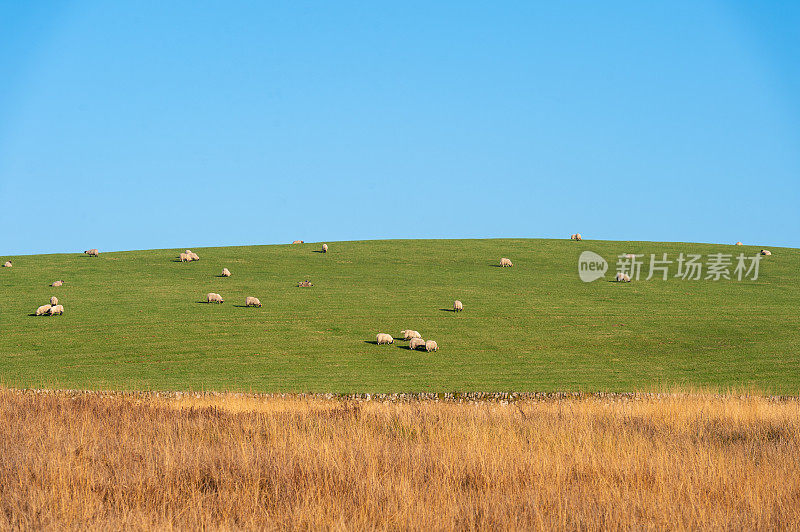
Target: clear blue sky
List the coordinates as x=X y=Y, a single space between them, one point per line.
x=133 y=125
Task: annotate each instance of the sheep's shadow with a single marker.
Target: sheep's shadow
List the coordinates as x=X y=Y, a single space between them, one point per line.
x=373 y=342
x=406 y=347
x=317 y=251
x=495 y=266
x=447 y=309
x=220 y=275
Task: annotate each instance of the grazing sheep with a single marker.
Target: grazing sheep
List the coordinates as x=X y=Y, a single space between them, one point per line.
x=92 y=252
x=431 y=345
x=324 y=248
x=739 y=244
x=44 y=309
x=252 y=302
x=57 y=309
x=415 y=343
x=211 y=297
x=384 y=338
x=623 y=278
x=505 y=262
x=184 y=257
x=458 y=306
x=7 y=264
x=193 y=256
x=305 y=284
x=408 y=334
x=297 y=242
x=57 y=283
x=766 y=252
x=578 y=236
x=54 y=301
x=226 y=272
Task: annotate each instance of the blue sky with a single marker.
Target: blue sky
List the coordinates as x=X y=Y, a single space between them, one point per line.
x=135 y=125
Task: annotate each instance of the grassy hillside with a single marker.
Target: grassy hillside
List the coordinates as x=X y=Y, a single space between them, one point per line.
x=134 y=320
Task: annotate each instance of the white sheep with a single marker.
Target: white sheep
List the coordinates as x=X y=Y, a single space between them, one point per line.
x=408 y=334
x=92 y=252
x=415 y=343
x=297 y=242
x=623 y=278
x=458 y=306
x=506 y=262
x=54 y=301
x=44 y=309
x=57 y=309
x=766 y=252
x=324 y=248
x=252 y=302
x=739 y=244
x=384 y=338
x=431 y=345
x=211 y=297
x=578 y=236
x=7 y=264
x=57 y=283
x=184 y=257
x=226 y=272
x=194 y=256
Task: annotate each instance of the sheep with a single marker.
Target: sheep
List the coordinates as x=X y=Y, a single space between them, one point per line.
x=297 y=242
x=54 y=301
x=408 y=334
x=578 y=236
x=188 y=251
x=252 y=302
x=226 y=272
x=193 y=256
x=415 y=343
x=57 y=283
x=384 y=338
x=44 y=309
x=7 y=264
x=211 y=297
x=431 y=345
x=623 y=278
x=506 y=262
x=739 y=244
x=324 y=248
x=57 y=309
x=458 y=306
x=305 y=284
x=184 y=257
x=572 y=237
x=766 y=252
x=92 y=252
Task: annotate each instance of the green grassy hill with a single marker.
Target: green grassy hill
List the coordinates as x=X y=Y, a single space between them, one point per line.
x=134 y=320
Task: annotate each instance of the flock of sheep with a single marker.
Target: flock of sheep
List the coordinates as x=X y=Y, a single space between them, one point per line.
x=414 y=339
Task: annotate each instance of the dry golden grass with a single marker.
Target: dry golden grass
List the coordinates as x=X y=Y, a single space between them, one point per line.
x=678 y=462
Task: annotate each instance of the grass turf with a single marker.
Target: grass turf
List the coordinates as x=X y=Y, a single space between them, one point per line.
x=134 y=320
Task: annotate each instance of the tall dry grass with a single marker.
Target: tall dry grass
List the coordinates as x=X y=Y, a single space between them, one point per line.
x=680 y=462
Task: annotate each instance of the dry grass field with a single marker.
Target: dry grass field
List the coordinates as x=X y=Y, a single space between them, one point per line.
x=679 y=461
